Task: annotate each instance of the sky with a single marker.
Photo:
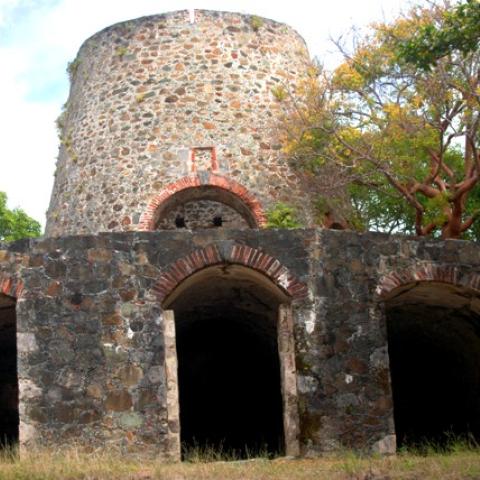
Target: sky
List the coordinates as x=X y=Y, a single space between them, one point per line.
x=39 y=37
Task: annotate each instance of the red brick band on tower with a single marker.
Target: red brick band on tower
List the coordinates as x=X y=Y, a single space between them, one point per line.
x=148 y=218
x=428 y=273
x=236 y=254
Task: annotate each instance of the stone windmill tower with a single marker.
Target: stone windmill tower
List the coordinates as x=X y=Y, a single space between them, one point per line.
x=170 y=124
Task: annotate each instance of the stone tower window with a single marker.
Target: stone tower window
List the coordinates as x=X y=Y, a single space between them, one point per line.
x=180 y=222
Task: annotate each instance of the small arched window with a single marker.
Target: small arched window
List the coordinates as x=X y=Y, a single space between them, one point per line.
x=204 y=207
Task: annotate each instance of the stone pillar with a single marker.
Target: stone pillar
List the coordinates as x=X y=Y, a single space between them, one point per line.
x=171 y=373
x=286 y=351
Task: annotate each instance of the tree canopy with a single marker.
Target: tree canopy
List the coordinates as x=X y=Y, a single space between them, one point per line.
x=16 y=224
x=458 y=29
x=403 y=140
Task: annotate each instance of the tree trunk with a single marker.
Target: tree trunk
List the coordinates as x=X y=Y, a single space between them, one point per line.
x=453 y=226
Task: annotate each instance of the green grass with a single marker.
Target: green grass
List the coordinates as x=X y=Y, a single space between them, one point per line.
x=462 y=462
x=207 y=454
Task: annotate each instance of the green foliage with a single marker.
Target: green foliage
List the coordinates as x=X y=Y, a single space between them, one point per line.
x=473 y=206
x=459 y=29
x=67 y=142
x=435 y=208
x=72 y=68
x=282 y=216
x=256 y=22
x=15 y=224
x=60 y=121
x=379 y=207
x=379 y=210
x=279 y=93
x=121 y=51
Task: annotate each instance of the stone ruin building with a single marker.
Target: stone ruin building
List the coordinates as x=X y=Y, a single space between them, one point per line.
x=158 y=310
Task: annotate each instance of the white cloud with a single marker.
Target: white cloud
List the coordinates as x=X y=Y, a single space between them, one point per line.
x=39 y=37
x=6 y=9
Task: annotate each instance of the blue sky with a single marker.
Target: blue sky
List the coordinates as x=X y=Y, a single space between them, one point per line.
x=39 y=37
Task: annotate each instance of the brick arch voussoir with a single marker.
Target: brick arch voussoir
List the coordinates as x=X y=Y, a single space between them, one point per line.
x=147 y=219
x=428 y=273
x=244 y=255
x=10 y=286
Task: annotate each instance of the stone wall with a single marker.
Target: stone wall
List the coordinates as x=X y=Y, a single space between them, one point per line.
x=159 y=99
x=91 y=352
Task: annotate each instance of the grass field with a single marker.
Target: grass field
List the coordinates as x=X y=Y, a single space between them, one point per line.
x=458 y=463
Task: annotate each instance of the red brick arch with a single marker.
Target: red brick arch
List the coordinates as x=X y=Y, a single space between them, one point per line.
x=148 y=217
x=10 y=286
x=428 y=273
x=233 y=254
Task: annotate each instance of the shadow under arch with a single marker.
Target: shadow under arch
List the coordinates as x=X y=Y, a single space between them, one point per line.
x=231 y=329
x=433 y=329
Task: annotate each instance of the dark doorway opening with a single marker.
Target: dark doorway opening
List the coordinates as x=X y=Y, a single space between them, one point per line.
x=9 y=418
x=434 y=348
x=228 y=366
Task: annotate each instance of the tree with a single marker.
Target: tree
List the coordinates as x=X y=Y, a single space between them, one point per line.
x=396 y=133
x=16 y=224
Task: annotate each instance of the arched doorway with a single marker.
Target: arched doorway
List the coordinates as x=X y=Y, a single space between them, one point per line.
x=235 y=362
x=434 y=348
x=9 y=418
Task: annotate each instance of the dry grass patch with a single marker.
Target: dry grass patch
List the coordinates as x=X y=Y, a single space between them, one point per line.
x=73 y=464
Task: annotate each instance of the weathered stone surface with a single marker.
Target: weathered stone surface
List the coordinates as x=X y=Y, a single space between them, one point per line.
x=131 y=420
x=26 y=342
x=387 y=445
x=118 y=401
x=130 y=374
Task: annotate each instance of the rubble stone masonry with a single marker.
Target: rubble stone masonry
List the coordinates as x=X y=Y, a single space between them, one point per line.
x=91 y=349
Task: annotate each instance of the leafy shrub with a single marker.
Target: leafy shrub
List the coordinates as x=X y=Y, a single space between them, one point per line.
x=282 y=216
